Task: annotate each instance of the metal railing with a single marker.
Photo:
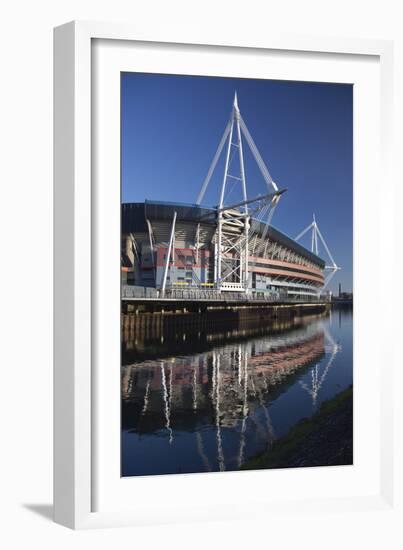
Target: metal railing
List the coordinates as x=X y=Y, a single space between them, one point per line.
x=139 y=292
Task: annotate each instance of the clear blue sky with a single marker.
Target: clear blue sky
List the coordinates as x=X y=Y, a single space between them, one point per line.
x=171 y=127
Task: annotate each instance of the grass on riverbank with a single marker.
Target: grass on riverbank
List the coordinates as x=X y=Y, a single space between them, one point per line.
x=325 y=439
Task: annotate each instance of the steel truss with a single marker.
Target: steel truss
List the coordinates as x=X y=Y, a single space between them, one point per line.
x=333 y=267
x=235 y=225
x=317 y=378
x=170 y=255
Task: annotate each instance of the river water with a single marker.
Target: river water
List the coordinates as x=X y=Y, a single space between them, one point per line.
x=210 y=398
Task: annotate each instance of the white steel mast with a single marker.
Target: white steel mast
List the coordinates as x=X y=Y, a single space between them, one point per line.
x=231 y=270
x=171 y=251
x=333 y=267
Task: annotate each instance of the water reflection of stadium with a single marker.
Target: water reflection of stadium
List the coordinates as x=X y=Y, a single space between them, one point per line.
x=225 y=384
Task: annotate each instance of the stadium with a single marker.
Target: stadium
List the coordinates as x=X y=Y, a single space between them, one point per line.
x=276 y=264
x=229 y=248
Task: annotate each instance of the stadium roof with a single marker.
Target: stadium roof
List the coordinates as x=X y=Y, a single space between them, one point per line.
x=134 y=217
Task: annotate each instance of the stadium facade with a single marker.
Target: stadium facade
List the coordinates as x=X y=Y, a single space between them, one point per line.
x=276 y=264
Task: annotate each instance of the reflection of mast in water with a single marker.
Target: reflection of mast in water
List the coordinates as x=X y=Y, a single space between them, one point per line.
x=146 y=396
x=199 y=439
x=239 y=365
x=244 y=408
x=258 y=394
x=202 y=453
x=166 y=402
x=316 y=381
x=216 y=394
x=194 y=384
x=252 y=387
x=170 y=389
x=269 y=424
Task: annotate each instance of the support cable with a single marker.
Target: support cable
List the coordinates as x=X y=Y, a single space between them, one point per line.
x=214 y=163
x=326 y=247
x=256 y=154
x=298 y=237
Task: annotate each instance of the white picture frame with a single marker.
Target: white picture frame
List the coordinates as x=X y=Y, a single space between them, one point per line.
x=81 y=425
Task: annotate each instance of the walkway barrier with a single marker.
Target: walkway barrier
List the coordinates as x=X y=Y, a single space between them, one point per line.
x=138 y=292
x=131 y=291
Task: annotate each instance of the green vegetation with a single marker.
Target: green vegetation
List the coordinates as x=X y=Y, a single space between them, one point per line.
x=325 y=439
